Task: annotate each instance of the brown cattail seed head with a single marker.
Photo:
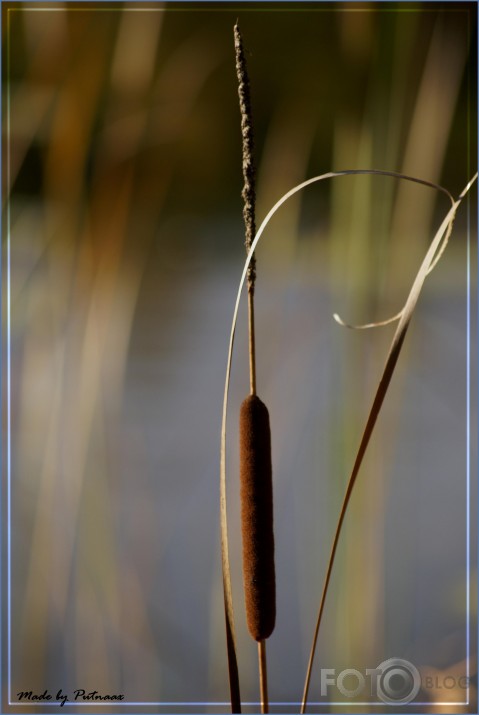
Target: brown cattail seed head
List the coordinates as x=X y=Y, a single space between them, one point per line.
x=249 y=190
x=257 y=518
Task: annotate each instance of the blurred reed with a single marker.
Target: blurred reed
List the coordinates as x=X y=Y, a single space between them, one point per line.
x=93 y=124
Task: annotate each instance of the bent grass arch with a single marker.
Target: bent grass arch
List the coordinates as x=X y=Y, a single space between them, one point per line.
x=433 y=255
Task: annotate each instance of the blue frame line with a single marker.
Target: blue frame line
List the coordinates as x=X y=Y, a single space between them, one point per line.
x=468 y=388
x=343 y=703
x=9 y=373
x=1 y=390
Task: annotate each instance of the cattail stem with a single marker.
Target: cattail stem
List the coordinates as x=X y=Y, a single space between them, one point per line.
x=263 y=676
x=252 y=347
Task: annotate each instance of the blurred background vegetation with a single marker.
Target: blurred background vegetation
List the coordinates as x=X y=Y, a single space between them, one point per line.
x=122 y=223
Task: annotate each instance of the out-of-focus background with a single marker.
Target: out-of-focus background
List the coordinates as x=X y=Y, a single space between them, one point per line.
x=122 y=224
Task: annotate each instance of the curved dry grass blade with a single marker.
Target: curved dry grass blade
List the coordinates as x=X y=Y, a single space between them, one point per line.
x=434 y=261
x=235 y=695
x=366 y=326
x=391 y=361
x=228 y=598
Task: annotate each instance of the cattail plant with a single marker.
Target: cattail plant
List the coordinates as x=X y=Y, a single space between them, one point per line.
x=255 y=438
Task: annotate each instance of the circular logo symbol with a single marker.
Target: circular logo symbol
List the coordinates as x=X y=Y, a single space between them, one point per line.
x=399 y=681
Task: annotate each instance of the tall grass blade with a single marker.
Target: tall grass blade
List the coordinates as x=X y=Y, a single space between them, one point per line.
x=391 y=361
x=235 y=696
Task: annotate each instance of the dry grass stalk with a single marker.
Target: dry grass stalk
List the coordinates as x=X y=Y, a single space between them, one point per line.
x=435 y=250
